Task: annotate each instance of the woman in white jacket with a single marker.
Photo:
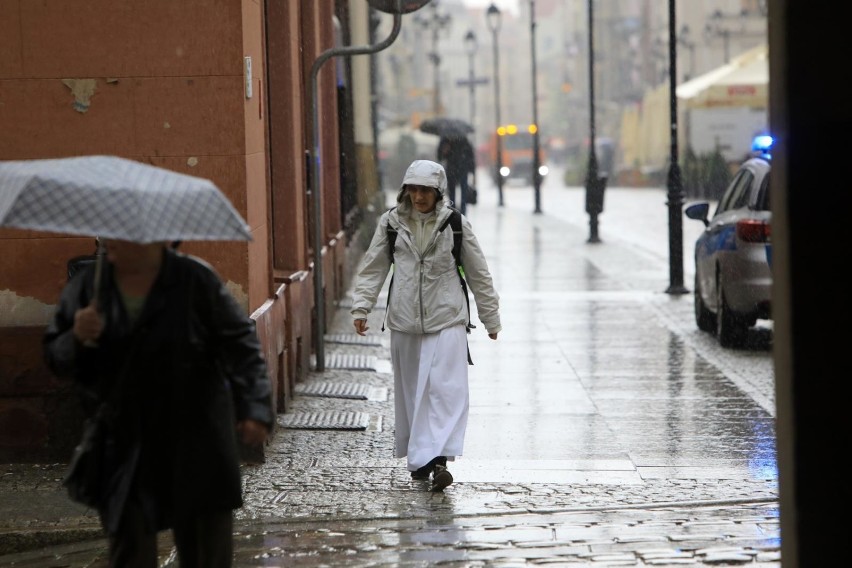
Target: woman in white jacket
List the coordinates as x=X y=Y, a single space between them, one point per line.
x=428 y=318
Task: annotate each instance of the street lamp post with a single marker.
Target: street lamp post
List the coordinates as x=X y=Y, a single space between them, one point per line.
x=470 y=47
x=436 y=22
x=714 y=29
x=684 y=39
x=493 y=19
x=536 y=138
x=674 y=185
x=594 y=187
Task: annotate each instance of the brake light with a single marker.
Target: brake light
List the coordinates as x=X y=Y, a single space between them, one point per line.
x=753 y=231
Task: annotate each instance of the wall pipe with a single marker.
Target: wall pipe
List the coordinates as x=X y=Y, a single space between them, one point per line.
x=314 y=191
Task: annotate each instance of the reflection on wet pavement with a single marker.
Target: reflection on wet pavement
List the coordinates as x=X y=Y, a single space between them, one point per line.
x=605 y=429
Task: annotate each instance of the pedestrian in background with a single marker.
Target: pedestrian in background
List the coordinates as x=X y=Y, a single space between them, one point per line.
x=180 y=366
x=428 y=315
x=456 y=155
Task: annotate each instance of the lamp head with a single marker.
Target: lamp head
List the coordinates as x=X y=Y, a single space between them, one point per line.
x=470 y=42
x=492 y=15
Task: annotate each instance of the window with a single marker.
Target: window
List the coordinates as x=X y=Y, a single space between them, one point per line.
x=737 y=193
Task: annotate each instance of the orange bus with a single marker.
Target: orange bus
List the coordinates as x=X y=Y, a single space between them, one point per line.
x=517 y=154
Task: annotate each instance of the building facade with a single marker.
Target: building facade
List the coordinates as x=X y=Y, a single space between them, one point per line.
x=220 y=90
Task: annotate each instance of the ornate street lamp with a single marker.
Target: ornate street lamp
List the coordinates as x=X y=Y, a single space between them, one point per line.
x=536 y=138
x=594 y=185
x=674 y=184
x=493 y=18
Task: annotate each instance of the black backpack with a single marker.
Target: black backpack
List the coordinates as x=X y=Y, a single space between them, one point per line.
x=455 y=222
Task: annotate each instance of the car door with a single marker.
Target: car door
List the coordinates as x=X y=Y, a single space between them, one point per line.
x=762 y=203
x=718 y=238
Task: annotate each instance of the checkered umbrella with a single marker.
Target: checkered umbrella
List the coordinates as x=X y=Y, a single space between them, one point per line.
x=115 y=198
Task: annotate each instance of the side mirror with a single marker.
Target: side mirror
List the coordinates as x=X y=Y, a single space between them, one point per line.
x=397 y=6
x=699 y=212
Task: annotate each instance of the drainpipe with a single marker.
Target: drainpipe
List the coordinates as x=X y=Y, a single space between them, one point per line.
x=314 y=196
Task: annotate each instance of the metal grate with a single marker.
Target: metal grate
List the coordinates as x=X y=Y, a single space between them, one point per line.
x=352 y=339
x=350 y=362
x=335 y=390
x=325 y=420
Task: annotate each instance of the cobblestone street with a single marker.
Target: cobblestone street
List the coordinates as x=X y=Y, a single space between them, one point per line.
x=605 y=430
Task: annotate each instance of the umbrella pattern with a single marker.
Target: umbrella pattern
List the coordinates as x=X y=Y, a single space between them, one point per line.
x=116 y=198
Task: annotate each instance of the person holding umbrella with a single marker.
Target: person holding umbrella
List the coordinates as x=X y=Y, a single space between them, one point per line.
x=179 y=365
x=167 y=363
x=455 y=153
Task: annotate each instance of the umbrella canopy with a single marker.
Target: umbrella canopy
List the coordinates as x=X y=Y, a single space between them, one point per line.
x=446 y=127
x=115 y=198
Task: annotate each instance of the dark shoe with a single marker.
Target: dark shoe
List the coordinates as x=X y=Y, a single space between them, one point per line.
x=426 y=471
x=422 y=473
x=441 y=478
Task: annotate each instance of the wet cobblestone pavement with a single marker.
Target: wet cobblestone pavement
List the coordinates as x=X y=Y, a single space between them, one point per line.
x=605 y=430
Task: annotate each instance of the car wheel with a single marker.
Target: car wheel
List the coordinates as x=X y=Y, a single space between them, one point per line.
x=731 y=329
x=704 y=318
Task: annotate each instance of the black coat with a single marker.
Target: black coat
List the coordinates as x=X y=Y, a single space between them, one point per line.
x=188 y=369
x=456 y=155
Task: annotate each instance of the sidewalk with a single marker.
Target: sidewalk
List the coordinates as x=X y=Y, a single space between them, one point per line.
x=605 y=430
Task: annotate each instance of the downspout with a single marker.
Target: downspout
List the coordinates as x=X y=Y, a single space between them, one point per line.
x=319 y=300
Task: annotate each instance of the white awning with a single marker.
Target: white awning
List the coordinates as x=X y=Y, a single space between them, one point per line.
x=741 y=82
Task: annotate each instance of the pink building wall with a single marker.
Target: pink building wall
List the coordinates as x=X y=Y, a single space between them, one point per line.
x=163 y=83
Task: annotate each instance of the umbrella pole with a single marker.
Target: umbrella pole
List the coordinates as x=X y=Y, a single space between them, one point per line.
x=99 y=267
x=96 y=286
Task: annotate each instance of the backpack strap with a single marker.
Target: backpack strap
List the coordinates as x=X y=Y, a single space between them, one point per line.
x=391 y=233
x=455 y=221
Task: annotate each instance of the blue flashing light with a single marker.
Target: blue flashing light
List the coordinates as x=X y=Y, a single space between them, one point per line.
x=761 y=145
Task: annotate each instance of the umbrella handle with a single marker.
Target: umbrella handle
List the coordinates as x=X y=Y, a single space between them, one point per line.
x=99 y=256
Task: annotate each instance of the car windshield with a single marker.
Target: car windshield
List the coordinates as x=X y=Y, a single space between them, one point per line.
x=519 y=141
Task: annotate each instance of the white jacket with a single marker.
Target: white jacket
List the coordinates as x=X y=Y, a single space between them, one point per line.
x=426 y=295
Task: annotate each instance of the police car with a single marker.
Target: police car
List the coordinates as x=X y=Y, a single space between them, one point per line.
x=733 y=279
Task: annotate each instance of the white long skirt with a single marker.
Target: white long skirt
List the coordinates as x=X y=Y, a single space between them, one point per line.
x=431 y=394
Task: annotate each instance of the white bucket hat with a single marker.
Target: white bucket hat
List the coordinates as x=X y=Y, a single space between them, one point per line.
x=426 y=173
